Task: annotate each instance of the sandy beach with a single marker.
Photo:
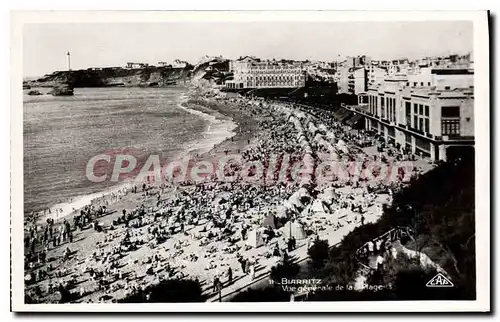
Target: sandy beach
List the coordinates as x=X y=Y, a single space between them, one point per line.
x=150 y=232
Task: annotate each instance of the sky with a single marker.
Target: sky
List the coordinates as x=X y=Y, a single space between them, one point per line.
x=114 y=44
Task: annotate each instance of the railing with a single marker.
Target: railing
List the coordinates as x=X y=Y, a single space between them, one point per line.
x=390 y=236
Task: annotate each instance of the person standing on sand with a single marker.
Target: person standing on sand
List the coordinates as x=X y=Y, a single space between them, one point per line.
x=252 y=271
x=308 y=245
x=229 y=275
x=216 y=283
x=242 y=263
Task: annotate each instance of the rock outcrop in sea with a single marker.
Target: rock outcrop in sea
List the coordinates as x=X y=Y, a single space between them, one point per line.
x=62 y=90
x=34 y=92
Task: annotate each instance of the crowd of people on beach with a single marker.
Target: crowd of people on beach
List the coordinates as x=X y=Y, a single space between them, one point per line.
x=213 y=231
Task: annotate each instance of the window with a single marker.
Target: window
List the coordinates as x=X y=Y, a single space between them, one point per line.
x=421 y=124
x=421 y=83
x=447 y=87
x=426 y=128
x=408 y=113
x=415 y=121
x=421 y=109
x=426 y=110
x=450 y=127
x=415 y=83
x=450 y=111
x=415 y=108
x=428 y=83
x=408 y=108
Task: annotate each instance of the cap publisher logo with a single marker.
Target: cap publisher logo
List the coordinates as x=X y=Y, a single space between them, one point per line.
x=439 y=281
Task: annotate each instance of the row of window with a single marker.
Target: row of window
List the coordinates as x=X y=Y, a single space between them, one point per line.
x=264 y=83
x=234 y=85
x=421 y=109
x=450 y=127
x=420 y=123
x=277 y=70
x=269 y=67
x=417 y=116
x=274 y=78
x=417 y=83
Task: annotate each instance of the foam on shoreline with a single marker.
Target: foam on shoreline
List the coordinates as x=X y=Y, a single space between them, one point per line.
x=217 y=131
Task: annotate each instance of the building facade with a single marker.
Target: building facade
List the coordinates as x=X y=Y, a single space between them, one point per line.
x=425 y=120
x=358 y=81
x=341 y=77
x=375 y=75
x=250 y=72
x=164 y=64
x=131 y=65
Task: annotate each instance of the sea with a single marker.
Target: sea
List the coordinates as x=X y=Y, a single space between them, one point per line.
x=62 y=133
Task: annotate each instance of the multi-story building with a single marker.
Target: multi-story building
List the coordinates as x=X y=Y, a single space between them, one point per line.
x=398 y=66
x=341 y=77
x=357 y=61
x=179 y=64
x=358 y=81
x=375 y=74
x=250 y=72
x=426 y=119
x=164 y=64
x=131 y=65
x=362 y=77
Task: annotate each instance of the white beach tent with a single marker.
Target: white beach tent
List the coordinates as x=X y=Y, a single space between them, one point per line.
x=329 y=195
x=312 y=128
x=294 y=202
x=254 y=238
x=318 y=207
x=302 y=192
x=318 y=138
x=301 y=115
x=342 y=146
x=331 y=136
x=308 y=149
x=293 y=229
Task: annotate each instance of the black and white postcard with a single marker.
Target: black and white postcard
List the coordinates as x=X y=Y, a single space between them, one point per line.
x=313 y=161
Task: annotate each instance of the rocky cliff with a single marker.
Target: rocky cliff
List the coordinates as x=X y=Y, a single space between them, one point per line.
x=144 y=77
x=214 y=71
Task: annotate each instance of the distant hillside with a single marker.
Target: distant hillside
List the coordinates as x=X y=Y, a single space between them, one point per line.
x=214 y=71
x=144 y=77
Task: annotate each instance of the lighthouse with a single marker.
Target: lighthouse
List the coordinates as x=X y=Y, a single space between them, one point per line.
x=69 y=61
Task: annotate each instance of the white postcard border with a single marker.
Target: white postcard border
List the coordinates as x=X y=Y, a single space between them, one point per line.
x=482 y=137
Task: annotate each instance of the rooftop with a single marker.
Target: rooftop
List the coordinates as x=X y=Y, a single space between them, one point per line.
x=433 y=91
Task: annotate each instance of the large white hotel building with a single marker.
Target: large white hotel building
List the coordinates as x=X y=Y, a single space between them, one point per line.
x=250 y=72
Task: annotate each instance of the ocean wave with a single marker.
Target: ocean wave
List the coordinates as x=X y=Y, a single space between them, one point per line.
x=217 y=131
